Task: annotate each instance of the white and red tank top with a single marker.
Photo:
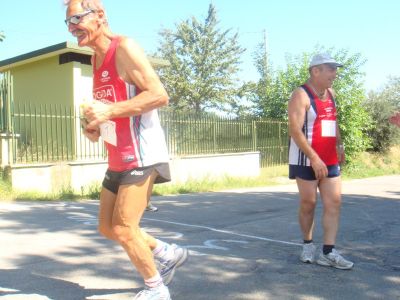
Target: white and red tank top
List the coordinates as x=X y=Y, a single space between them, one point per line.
x=319 y=129
x=140 y=140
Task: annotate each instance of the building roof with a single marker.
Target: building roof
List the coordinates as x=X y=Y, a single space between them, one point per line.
x=58 y=49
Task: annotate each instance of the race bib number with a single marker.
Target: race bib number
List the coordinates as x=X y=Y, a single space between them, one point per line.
x=108 y=132
x=328 y=128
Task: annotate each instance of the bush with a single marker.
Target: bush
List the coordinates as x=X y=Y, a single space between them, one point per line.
x=381 y=106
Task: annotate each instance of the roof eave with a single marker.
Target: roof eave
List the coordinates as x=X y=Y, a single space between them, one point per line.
x=41 y=54
x=58 y=49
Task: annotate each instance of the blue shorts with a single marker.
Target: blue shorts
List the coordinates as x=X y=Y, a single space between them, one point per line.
x=307 y=173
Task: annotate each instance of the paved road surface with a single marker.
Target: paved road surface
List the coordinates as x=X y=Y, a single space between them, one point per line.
x=244 y=244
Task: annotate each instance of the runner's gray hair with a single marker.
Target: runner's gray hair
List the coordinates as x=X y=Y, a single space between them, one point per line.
x=90 y=4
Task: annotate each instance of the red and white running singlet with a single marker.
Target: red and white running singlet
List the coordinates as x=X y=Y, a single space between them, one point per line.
x=135 y=141
x=319 y=129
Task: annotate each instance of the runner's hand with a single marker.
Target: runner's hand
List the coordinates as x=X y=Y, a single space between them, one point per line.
x=96 y=113
x=92 y=134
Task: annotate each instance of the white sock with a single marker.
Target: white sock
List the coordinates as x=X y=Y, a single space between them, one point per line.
x=154 y=281
x=163 y=251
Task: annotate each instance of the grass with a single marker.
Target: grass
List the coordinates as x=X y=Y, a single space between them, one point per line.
x=268 y=176
x=367 y=165
x=373 y=164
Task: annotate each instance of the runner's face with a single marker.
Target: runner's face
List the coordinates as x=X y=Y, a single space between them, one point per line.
x=82 y=23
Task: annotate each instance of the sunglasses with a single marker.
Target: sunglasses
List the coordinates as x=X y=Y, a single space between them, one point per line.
x=76 y=19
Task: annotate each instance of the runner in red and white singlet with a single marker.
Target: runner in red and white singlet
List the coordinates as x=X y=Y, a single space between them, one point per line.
x=128 y=93
x=140 y=140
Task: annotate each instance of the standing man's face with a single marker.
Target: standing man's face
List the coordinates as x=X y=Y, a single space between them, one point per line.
x=326 y=75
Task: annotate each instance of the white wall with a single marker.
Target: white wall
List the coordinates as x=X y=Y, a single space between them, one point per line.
x=216 y=165
x=80 y=175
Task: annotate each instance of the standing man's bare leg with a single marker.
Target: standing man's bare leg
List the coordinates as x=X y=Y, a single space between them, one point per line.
x=330 y=189
x=308 y=201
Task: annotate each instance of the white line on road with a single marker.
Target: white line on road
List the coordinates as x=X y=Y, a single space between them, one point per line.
x=226 y=232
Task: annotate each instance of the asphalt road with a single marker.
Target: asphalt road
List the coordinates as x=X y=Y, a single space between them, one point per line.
x=244 y=244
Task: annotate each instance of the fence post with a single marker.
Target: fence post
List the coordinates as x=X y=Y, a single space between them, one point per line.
x=7 y=135
x=6 y=100
x=254 y=133
x=3 y=93
x=215 y=136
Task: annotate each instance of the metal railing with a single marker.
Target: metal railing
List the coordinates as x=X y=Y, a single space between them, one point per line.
x=189 y=134
x=50 y=133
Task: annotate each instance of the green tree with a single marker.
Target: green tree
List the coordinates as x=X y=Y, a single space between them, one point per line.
x=2 y=36
x=275 y=87
x=381 y=106
x=354 y=118
x=204 y=62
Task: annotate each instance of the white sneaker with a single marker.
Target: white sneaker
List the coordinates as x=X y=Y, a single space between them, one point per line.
x=167 y=268
x=158 y=293
x=334 y=259
x=308 y=253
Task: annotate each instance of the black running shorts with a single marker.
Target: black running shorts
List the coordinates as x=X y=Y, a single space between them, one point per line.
x=112 y=180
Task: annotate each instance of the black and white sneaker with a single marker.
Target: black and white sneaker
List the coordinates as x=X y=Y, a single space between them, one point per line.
x=151 y=207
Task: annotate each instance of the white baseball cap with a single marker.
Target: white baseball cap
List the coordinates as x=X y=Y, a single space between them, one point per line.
x=323 y=58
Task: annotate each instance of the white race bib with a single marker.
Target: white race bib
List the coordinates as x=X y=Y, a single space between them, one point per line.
x=108 y=132
x=328 y=128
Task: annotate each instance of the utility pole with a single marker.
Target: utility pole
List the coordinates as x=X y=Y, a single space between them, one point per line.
x=265 y=51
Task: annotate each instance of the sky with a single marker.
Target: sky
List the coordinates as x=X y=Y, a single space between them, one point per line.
x=292 y=27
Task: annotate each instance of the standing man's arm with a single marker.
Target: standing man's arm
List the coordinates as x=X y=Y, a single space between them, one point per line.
x=299 y=103
x=339 y=143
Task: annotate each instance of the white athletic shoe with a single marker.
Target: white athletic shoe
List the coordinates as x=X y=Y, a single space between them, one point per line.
x=334 y=259
x=308 y=253
x=167 y=268
x=158 y=293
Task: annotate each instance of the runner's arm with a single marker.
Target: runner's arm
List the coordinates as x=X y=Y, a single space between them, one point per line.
x=134 y=67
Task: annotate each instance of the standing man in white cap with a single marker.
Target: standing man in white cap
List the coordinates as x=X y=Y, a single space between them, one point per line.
x=315 y=155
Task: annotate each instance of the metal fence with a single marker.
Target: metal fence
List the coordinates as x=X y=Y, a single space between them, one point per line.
x=50 y=133
x=190 y=134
